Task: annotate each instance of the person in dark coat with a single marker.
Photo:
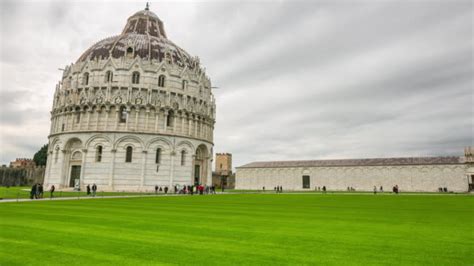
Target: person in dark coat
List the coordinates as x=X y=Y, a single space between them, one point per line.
x=52 y=190
x=324 y=189
x=94 y=189
x=88 y=188
x=166 y=190
x=40 y=190
x=156 y=189
x=33 y=192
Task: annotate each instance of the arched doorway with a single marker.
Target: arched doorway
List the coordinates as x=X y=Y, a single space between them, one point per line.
x=73 y=163
x=201 y=165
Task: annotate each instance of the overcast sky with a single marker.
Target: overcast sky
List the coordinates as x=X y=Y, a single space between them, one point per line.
x=297 y=80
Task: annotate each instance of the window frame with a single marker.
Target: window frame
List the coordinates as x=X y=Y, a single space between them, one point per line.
x=98 y=153
x=128 y=154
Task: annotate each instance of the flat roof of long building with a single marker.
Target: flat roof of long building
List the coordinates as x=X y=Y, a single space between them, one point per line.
x=358 y=162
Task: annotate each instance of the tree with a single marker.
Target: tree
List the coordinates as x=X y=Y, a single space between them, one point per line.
x=40 y=156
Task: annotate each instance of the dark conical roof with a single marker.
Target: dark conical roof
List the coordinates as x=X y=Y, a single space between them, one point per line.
x=145 y=34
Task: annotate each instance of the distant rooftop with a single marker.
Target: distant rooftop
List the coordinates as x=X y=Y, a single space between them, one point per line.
x=358 y=162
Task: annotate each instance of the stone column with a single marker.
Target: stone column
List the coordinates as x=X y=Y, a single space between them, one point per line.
x=182 y=123
x=142 y=182
x=111 y=171
x=147 y=115
x=189 y=126
x=193 y=168
x=209 y=170
x=172 y=154
x=127 y=120
x=64 y=164
x=201 y=131
x=83 y=167
x=196 y=124
x=165 y=115
x=107 y=111
x=52 y=125
x=117 y=117
x=157 y=114
x=88 y=119
x=68 y=120
x=137 y=112
x=97 y=113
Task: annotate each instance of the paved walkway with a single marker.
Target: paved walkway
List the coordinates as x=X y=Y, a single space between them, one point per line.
x=89 y=197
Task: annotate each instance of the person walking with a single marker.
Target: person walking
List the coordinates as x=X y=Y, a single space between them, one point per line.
x=156 y=189
x=88 y=188
x=94 y=189
x=33 y=192
x=324 y=189
x=51 y=190
x=37 y=191
x=375 y=190
x=40 y=191
x=281 y=189
x=166 y=190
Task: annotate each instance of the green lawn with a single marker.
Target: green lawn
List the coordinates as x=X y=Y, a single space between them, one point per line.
x=241 y=229
x=24 y=193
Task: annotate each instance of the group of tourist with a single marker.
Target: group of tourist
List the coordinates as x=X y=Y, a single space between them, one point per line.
x=190 y=189
x=278 y=189
x=442 y=189
x=320 y=189
x=375 y=189
x=395 y=189
x=36 y=191
x=93 y=189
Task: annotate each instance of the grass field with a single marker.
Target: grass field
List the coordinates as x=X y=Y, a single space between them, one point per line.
x=241 y=229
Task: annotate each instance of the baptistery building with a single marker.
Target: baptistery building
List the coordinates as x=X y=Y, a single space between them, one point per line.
x=134 y=111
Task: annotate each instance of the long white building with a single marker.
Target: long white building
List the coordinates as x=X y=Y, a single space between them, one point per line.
x=426 y=174
x=134 y=111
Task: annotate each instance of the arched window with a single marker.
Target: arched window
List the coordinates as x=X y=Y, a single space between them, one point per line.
x=128 y=155
x=123 y=114
x=135 y=78
x=183 y=157
x=168 y=58
x=130 y=52
x=161 y=81
x=184 y=84
x=98 y=154
x=78 y=116
x=158 y=156
x=169 y=119
x=109 y=76
x=85 y=79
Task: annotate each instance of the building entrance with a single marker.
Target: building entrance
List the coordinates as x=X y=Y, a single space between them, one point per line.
x=75 y=175
x=197 y=174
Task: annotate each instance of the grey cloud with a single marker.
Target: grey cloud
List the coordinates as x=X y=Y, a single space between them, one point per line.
x=299 y=80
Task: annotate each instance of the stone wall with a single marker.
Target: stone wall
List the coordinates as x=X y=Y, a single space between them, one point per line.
x=21 y=176
x=426 y=178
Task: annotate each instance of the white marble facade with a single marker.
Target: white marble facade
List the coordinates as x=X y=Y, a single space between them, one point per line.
x=136 y=91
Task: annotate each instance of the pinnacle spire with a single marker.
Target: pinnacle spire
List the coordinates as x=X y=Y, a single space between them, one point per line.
x=147 y=7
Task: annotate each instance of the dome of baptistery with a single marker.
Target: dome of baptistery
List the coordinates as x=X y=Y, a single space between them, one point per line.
x=135 y=111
